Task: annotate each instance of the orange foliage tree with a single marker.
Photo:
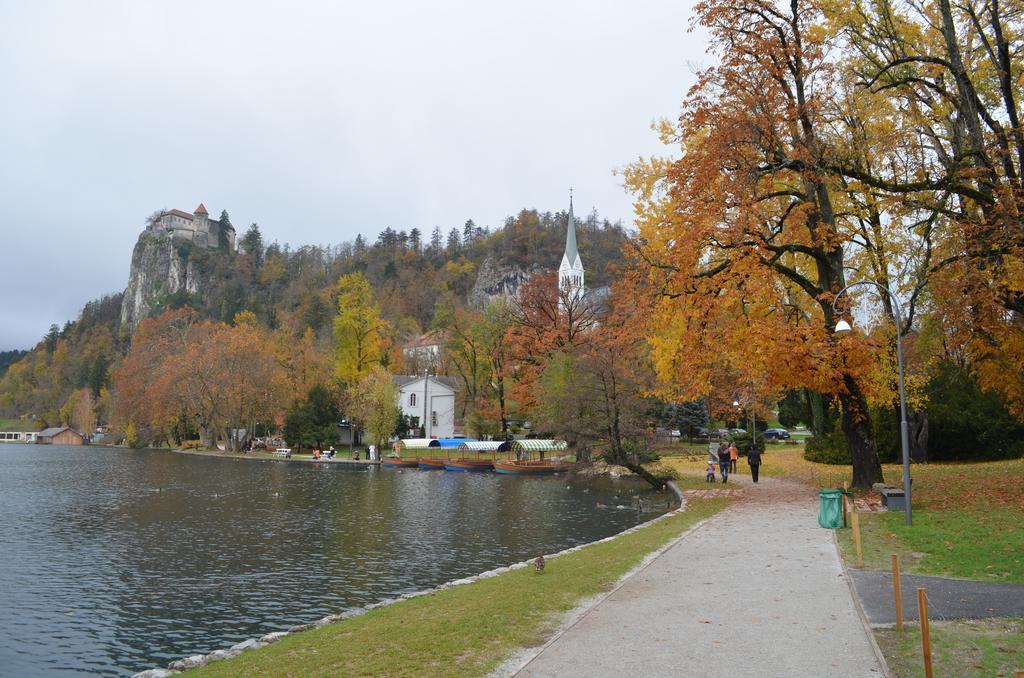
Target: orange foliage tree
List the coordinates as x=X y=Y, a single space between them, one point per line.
x=182 y=373
x=743 y=241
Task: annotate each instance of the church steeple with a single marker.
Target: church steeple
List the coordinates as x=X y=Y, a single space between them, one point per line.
x=571 y=252
x=570 y=272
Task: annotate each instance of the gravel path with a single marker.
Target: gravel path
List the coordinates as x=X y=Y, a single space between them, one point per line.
x=756 y=591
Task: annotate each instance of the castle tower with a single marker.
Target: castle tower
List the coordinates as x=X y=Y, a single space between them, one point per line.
x=570 y=271
x=201 y=226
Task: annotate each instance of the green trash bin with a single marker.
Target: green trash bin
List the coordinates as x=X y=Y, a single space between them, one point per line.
x=830 y=508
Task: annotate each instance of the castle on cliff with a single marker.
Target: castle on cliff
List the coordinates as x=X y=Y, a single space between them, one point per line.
x=196 y=228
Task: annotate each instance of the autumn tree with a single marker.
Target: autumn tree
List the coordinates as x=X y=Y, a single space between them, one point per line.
x=360 y=335
x=147 y=396
x=743 y=241
x=950 y=72
x=543 y=319
x=183 y=373
x=80 y=411
x=374 y=405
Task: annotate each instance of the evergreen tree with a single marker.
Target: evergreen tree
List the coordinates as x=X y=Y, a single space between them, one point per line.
x=469 y=233
x=436 y=241
x=415 y=240
x=313 y=422
x=50 y=340
x=252 y=243
x=359 y=247
x=454 y=242
x=223 y=242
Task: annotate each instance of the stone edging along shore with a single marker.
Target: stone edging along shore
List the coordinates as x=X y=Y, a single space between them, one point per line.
x=197 y=660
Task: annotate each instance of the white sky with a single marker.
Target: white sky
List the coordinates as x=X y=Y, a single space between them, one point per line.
x=319 y=120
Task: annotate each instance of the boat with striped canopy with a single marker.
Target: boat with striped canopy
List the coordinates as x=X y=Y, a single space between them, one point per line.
x=530 y=458
x=465 y=462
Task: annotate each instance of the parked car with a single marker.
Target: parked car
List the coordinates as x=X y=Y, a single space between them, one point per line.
x=776 y=434
x=702 y=434
x=675 y=433
x=721 y=433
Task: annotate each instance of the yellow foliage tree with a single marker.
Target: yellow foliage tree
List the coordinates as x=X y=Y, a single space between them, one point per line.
x=360 y=335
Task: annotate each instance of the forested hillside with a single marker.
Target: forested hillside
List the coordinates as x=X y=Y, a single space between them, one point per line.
x=291 y=291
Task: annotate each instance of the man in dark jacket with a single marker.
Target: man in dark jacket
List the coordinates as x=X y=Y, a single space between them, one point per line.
x=754 y=459
x=723 y=462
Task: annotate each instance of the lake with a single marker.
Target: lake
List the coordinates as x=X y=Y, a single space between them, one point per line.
x=114 y=561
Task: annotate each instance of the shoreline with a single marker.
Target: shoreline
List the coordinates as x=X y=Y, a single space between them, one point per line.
x=196 y=661
x=266 y=456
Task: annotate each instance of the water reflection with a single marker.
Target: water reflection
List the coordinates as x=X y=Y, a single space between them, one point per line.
x=115 y=561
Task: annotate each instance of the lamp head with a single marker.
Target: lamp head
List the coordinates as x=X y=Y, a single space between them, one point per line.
x=842 y=327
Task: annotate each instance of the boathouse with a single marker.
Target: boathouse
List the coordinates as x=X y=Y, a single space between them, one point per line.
x=63 y=435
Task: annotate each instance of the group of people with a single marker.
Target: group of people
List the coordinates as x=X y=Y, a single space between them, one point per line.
x=726 y=457
x=327 y=454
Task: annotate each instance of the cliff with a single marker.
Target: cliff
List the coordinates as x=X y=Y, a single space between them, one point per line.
x=494 y=281
x=161 y=267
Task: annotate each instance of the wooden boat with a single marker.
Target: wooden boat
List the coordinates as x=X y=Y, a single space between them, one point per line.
x=398 y=462
x=534 y=467
x=469 y=465
x=432 y=463
x=476 y=463
x=524 y=465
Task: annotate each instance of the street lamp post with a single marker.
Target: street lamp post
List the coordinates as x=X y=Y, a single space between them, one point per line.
x=751 y=420
x=842 y=327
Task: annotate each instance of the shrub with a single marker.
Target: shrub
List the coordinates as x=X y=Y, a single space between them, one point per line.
x=742 y=441
x=828 y=449
x=192 y=445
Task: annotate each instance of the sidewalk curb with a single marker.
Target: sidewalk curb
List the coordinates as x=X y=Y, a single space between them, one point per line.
x=886 y=671
x=577 y=615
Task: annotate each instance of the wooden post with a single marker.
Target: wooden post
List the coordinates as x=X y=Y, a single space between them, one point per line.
x=855 y=522
x=846 y=488
x=926 y=639
x=897 y=594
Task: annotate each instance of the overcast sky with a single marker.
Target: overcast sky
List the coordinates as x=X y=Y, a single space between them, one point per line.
x=316 y=120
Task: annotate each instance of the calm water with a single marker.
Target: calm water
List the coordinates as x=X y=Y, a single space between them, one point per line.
x=114 y=561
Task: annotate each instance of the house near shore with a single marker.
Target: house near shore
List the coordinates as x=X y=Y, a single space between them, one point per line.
x=423 y=352
x=60 y=435
x=431 y=400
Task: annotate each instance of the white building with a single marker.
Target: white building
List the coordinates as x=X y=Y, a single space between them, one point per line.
x=431 y=400
x=570 y=272
x=424 y=352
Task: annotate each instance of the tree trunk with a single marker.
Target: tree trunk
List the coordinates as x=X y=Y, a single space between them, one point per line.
x=867 y=470
x=631 y=463
x=917 y=425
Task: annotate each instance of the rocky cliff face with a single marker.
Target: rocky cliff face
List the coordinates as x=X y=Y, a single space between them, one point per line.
x=496 y=281
x=161 y=267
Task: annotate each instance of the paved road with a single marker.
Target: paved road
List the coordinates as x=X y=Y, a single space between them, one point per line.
x=947 y=598
x=758 y=591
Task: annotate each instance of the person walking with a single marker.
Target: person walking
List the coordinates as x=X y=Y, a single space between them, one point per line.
x=723 y=462
x=734 y=454
x=754 y=459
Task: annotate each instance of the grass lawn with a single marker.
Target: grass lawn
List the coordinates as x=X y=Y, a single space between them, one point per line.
x=986 y=647
x=465 y=630
x=968 y=522
x=968 y=544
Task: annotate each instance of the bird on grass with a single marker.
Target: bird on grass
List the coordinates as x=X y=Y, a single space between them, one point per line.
x=539 y=564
